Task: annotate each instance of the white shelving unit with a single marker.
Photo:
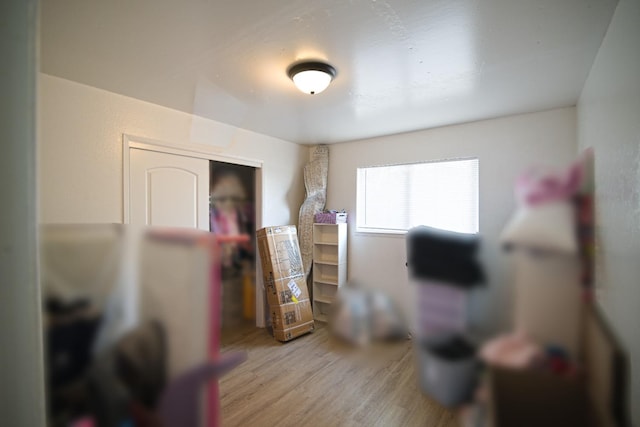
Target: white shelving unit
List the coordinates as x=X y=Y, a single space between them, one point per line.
x=329 y=266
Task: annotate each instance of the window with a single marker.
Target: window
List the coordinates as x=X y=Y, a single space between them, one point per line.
x=443 y=194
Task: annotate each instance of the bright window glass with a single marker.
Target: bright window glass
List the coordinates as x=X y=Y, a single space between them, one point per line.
x=442 y=194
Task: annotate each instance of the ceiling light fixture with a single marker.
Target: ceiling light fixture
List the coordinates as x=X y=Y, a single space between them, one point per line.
x=311 y=77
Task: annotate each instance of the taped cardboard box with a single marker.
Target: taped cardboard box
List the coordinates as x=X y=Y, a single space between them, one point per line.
x=291 y=333
x=291 y=320
x=286 y=291
x=289 y=315
x=280 y=253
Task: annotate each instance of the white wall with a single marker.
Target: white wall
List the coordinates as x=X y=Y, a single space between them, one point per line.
x=505 y=148
x=80 y=152
x=609 y=121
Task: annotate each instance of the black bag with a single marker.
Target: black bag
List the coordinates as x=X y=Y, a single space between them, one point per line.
x=444 y=256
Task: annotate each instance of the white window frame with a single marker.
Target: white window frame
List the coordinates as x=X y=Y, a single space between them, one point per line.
x=360 y=196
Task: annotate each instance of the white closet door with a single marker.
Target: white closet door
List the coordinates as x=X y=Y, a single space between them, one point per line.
x=168 y=190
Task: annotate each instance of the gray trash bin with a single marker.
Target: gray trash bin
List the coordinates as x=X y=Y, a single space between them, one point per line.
x=448 y=369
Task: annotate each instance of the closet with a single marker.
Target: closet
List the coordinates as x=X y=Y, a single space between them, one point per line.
x=232 y=213
x=170 y=185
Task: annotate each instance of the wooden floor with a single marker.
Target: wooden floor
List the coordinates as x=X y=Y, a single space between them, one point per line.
x=315 y=381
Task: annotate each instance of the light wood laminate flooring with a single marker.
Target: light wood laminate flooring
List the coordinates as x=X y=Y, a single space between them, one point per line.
x=316 y=380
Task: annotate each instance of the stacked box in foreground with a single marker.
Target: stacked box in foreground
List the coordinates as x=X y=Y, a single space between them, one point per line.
x=284 y=281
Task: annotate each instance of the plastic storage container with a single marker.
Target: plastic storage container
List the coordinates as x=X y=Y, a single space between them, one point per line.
x=448 y=369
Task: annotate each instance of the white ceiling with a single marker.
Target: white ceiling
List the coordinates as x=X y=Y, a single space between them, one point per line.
x=402 y=64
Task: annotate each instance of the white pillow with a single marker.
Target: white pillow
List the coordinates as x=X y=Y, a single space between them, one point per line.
x=547 y=226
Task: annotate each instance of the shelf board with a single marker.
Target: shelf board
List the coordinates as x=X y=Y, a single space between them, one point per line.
x=326 y=243
x=327 y=262
x=323 y=300
x=321 y=318
x=327 y=282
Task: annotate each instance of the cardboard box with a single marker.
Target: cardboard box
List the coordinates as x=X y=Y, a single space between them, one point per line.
x=291 y=333
x=279 y=253
x=286 y=291
x=291 y=320
x=284 y=281
x=290 y=315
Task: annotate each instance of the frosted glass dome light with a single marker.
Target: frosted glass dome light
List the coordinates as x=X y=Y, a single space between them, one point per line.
x=312 y=77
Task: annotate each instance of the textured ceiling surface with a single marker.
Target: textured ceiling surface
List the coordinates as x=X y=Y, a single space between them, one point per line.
x=402 y=65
